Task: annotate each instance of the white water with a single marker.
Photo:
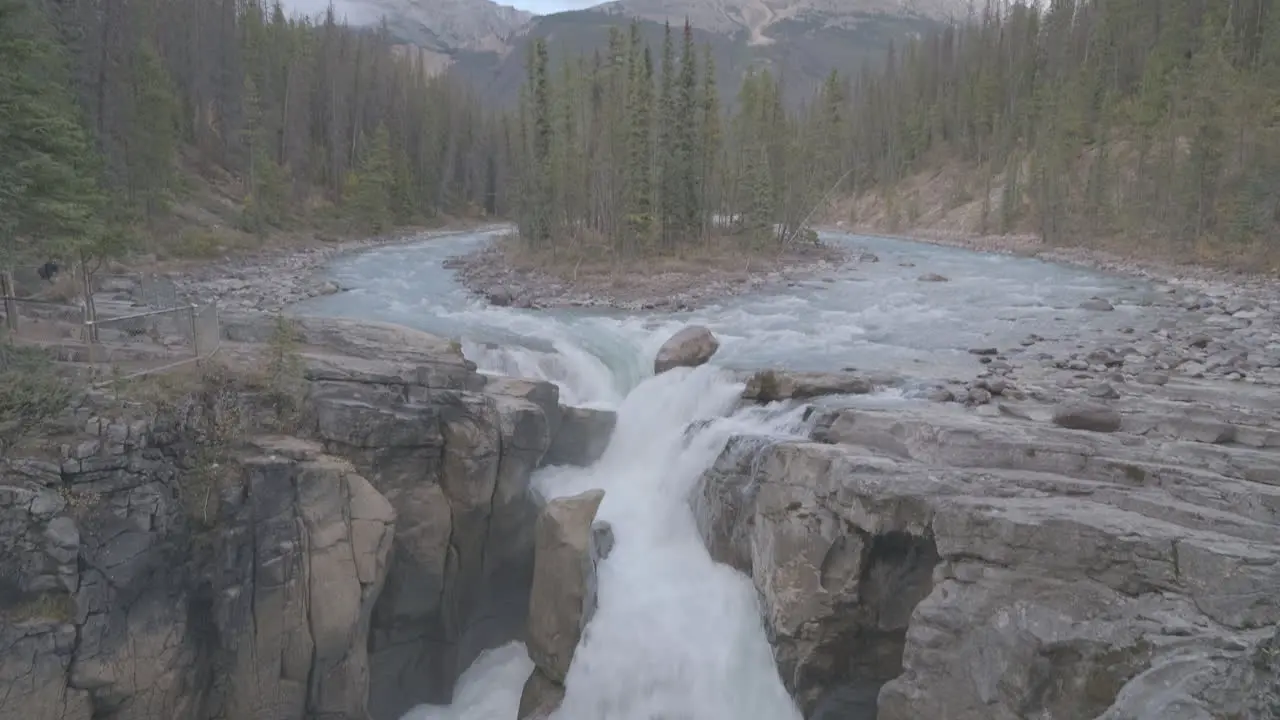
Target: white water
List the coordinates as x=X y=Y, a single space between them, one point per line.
x=675 y=635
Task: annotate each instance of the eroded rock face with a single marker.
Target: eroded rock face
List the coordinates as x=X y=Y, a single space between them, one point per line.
x=304 y=546
x=264 y=614
x=350 y=571
x=975 y=567
x=563 y=599
x=453 y=451
x=690 y=347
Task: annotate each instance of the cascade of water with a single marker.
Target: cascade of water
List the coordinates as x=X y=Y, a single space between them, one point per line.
x=676 y=635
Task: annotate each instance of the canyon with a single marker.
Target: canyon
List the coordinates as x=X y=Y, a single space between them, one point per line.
x=1052 y=496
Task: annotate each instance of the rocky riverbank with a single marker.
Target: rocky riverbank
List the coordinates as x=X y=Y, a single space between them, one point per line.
x=270 y=281
x=1181 y=273
x=670 y=284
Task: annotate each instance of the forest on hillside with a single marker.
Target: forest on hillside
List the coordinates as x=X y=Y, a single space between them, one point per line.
x=1154 y=122
x=115 y=114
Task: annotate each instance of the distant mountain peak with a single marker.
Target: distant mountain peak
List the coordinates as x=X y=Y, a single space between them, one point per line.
x=439 y=25
x=756 y=16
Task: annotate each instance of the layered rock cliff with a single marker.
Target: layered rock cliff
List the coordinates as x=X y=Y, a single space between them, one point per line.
x=936 y=562
x=190 y=561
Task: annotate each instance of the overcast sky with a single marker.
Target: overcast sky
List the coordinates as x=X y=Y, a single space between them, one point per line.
x=352 y=9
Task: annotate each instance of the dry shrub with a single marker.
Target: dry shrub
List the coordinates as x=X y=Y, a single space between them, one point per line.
x=32 y=393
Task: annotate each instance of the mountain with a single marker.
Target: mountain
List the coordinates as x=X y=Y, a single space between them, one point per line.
x=800 y=40
x=442 y=26
x=728 y=17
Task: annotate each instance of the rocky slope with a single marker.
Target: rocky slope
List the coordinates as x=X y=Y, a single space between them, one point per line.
x=190 y=560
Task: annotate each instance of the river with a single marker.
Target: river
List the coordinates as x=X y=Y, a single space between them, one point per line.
x=676 y=635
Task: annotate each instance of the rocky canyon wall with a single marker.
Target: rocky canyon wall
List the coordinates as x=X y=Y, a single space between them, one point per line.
x=1116 y=562
x=351 y=567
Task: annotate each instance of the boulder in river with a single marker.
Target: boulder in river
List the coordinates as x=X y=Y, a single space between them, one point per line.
x=690 y=347
x=773 y=385
x=499 y=296
x=1087 y=416
x=933 y=277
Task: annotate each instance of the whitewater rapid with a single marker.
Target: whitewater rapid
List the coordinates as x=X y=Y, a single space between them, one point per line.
x=677 y=636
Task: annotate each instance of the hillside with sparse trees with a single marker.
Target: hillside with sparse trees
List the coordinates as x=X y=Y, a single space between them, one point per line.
x=1151 y=127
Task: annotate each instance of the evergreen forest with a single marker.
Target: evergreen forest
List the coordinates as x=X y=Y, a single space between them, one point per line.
x=1154 y=123
x=115 y=113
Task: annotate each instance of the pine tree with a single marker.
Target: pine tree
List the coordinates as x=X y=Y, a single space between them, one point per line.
x=368 y=191
x=639 y=203
x=710 y=138
x=668 y=164
x=539 y=169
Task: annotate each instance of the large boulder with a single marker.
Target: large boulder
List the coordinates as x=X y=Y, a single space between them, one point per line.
x=975 y=567
x=563 y=598
x=690 y=347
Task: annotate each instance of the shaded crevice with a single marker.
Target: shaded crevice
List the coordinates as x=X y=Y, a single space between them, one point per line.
x=865 y=641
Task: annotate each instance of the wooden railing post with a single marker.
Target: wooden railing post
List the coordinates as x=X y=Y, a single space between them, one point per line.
x=90 y=310
x=9 y=291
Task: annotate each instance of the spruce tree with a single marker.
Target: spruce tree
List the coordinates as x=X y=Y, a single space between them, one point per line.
x=368 y=191
x=668 y=165
x=710 y=137
x=50 y=201
x=639 y=203
x=685 y=150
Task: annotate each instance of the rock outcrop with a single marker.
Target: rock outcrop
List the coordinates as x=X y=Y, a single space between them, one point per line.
x=767 y=386
x=199 y=560
x=107 y=618
x=568 y=546
x=979 y=566
x=690 y=347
